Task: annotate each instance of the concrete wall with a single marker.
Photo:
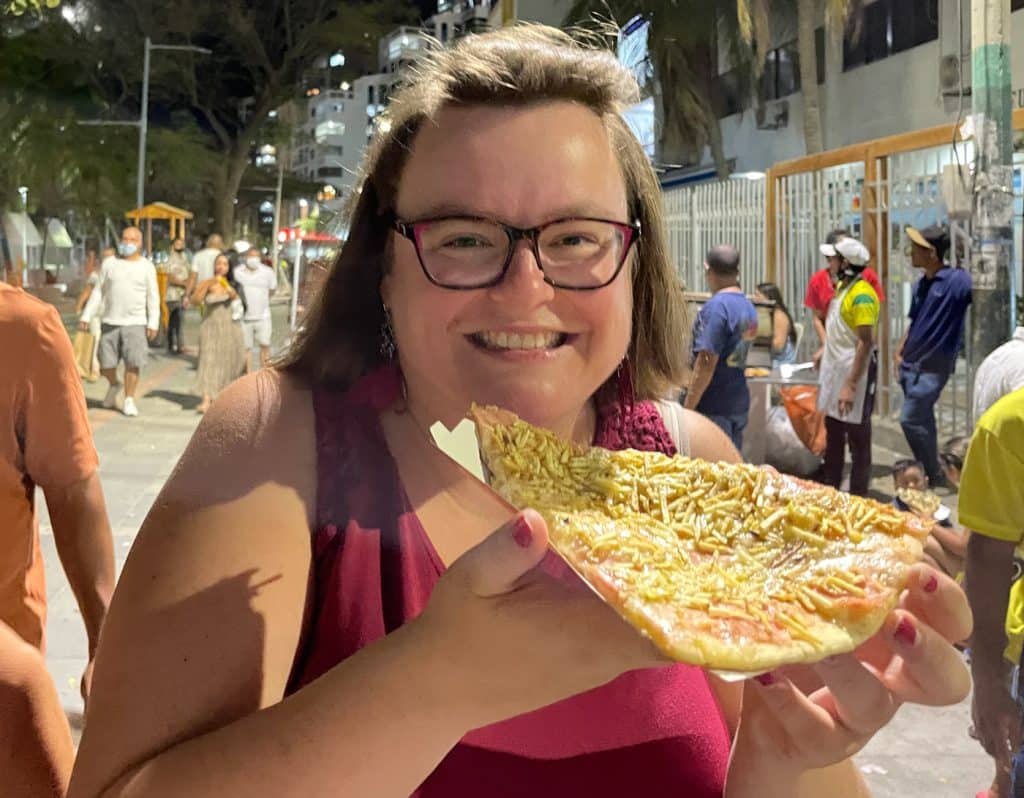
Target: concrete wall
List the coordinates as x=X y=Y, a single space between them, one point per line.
x=896 y=95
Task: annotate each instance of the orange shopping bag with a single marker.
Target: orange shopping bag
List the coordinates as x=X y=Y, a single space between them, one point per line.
x=801 y=403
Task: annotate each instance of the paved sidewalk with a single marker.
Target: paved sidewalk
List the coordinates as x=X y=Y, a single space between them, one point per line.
x=924 y=752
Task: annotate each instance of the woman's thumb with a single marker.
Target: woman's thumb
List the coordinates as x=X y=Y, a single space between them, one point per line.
x=493 y=566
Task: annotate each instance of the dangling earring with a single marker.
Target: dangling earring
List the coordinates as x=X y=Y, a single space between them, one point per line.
x=388 y=347
x=624 y=383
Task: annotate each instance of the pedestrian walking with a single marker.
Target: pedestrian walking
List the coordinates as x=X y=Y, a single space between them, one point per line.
x=992 y=506
x=316 y=570
x=722 y=334
x=178 y=272
x=846 y=387
x=202 y=262
x=1000 y=373
x=822 y=286
x=88 y=362
x=128 y=304
x=221 y=341
x=926 y=356
x=784 y=334
x=45 y=440
x=258 y=282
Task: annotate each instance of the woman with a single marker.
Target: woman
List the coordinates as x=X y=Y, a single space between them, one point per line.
x=89 y=365
x=334 y=614
x=783 y=328
x=221 y=344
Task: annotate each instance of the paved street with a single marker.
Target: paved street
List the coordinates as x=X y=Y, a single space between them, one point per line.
x=924 y=752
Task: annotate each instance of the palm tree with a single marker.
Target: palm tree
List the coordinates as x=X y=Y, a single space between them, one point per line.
x=837 y=13
x=683 y=46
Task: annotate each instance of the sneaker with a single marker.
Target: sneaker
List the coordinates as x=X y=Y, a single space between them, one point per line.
x=111 y=398
x=129 y=407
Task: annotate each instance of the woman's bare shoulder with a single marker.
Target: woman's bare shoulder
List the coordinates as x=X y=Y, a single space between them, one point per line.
x=260 y=429
x=707 y=440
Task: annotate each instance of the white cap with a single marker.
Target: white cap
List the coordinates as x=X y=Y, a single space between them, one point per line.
x=828 y=250
x=855 y=253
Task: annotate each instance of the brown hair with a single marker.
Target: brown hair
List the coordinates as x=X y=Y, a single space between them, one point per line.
x=520 y=65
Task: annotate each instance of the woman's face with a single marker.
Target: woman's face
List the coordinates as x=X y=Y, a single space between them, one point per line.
x=522 y=344
x=221 y=266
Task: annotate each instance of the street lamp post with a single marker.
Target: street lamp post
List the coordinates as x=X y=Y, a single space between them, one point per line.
x=143 y=121
x=23 y=191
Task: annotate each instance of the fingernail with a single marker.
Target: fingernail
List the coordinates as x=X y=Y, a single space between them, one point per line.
x=521 y=533
x=932 y=584
x=766 y=679
x=905 y=633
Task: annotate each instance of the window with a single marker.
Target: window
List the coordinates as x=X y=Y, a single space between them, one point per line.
x=1016 y=5
x=444 y=30
x=329 y=171
x=889 y=27
x=369 y=96
x=781 y=76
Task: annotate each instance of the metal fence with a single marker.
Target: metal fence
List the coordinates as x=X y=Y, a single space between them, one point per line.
x=722 y=212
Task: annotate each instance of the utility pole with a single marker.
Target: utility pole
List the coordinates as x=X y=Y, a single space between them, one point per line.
x=991 y=323
x=140 y=177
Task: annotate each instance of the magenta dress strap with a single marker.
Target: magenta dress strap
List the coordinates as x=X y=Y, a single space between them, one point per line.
x=659 y=733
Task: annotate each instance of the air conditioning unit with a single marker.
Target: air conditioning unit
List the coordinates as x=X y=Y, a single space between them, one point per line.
x=950 y=78
x=772 y=115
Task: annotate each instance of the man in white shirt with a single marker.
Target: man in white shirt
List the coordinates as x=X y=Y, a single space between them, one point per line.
x=258 y=283
x=128 y=301
x=202 y=263
x=1000 y=373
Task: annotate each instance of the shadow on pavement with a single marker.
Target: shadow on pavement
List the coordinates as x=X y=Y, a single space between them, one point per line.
x=187 y=401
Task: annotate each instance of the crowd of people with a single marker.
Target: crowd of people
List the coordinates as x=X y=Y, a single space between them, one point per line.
x=315 y=573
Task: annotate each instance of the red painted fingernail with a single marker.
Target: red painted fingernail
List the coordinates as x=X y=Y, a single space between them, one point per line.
x=766 y=679
x=932 y=584
x=905 y=633
x=521 y=533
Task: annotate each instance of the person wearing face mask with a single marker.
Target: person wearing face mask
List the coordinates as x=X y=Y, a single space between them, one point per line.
x=847 y=388
x=178 y=272
x=129 y=306
x=258 y=283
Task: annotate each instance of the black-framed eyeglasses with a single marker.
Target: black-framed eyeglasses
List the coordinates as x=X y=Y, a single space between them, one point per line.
x=467 y=252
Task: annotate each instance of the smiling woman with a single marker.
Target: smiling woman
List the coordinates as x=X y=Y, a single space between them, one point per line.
x=344 y=611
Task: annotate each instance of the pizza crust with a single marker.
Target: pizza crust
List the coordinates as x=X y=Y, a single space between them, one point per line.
x=728 y=567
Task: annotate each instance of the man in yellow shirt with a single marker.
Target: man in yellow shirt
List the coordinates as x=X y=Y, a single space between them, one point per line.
x=992 y=506
x=846 y=390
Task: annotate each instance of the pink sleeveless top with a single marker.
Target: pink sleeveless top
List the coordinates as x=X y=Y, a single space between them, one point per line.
x=656 y=732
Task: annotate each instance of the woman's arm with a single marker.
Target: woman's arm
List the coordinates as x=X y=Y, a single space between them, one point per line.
x=199 y=295
x=204 y=628
x=780 y=330
x=83 y=298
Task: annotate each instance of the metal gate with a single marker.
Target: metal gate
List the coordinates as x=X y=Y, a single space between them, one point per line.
x=722 y=212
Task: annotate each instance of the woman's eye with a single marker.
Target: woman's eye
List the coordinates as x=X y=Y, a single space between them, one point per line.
x=466 y=242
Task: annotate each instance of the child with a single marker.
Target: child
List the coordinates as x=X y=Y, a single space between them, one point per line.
x=946 y=547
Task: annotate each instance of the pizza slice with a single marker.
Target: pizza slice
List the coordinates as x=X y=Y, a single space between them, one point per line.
x=923 y=502
x=730 y=567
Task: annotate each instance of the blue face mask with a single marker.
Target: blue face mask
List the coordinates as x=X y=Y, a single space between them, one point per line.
x=127 y=250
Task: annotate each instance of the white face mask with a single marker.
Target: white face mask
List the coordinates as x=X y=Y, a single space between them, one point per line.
x=252 y=263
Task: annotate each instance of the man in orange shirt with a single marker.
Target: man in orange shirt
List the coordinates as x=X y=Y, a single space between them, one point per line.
x=45 y=440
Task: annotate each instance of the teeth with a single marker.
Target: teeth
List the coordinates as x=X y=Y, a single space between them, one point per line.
x=500 y=340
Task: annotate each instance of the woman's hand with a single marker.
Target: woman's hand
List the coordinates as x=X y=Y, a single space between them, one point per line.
x=508 y=638
x=784 y=731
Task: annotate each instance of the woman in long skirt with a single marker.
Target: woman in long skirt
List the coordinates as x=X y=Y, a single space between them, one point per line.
x=221 y=345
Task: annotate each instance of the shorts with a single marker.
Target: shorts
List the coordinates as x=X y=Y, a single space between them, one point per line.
x=257 y=332
x=123 y=343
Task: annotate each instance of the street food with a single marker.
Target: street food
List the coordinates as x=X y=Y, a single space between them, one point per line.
x=730 y=567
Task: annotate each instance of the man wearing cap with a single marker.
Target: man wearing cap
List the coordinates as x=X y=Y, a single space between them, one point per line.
x=927 y=354
x=822 y=286
x=846 y=392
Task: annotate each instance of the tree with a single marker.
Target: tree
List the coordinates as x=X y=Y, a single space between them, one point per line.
x=836 y=13
x=685 y=41
x=260 y=51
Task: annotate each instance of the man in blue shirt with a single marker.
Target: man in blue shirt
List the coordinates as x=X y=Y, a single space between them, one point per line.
x=722 y=334
x=927 y=354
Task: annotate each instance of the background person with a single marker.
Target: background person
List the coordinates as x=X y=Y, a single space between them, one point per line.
x=1000 y=373
x=202 y=262
x=822 y=285
x=992 y=506
x=846 y=388
x=339 y=579
x=784 y=334
x=221 y=346
x=258 y=282
x=179 y=271
x=722 y=334
x=45 y=440
x=926 y=355
x=128 y=304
